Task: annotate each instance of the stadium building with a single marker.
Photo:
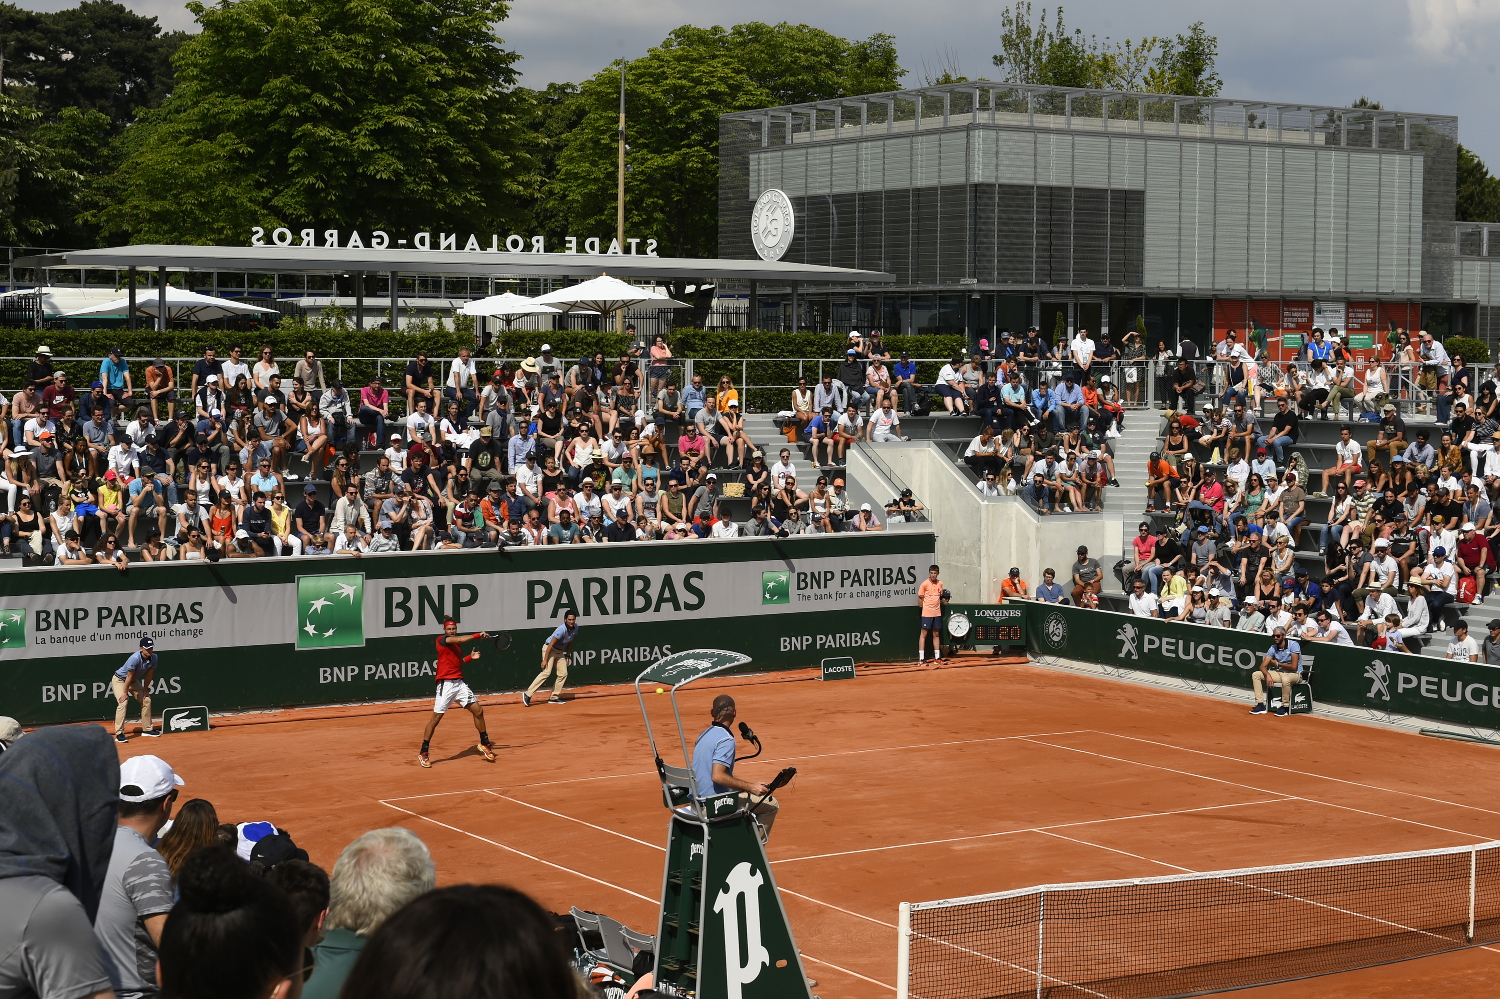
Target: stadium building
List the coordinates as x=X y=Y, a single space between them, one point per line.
x=1001 y=206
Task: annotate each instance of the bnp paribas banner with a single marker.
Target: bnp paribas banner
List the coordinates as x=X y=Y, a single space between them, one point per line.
x=1381 y=682
x=280 y=631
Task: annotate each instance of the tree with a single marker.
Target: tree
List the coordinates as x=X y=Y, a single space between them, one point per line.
x=1478 y=191
x=1035 y=52
x=388 y=114
x=98 y=56
x=1186 y=65
x=674 y=97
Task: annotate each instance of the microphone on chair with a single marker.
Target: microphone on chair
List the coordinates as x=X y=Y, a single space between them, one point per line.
x=748 y=735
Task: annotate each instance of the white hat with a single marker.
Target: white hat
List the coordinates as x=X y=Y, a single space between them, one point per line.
x=1214 y=591
x=1104 y=379
x=10 y=730
x=211 y=378
x=1468 y=525
x=854 y=334
x=44 y=349
x=271 y=400
x=241 y=534
x=148 y=778
x=735 y=403
x=395 y=437
x=1197 y=589
x=1381 y=543
x=214 y=414
x=864 y=507
x=546 y=348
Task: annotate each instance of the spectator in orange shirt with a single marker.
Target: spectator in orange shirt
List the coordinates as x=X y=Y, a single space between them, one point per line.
x=931 y=596
x=1161 y=478
x=1014 y=587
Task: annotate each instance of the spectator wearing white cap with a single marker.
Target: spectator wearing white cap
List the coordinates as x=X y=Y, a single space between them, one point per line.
x=1381 y=574
x=1474 y=558
x=10 y=731
x=866 y=520
x=137 y=891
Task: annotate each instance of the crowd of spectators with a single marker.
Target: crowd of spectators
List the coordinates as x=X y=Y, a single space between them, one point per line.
x=1409 y=514
x=109 y=889
x=230 y=464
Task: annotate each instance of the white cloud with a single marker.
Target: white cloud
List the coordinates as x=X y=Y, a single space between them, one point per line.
x=1449 y=29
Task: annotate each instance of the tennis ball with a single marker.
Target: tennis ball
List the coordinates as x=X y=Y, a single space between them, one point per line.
x=660 y=690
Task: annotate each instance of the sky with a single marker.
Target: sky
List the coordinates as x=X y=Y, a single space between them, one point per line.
x=1437 y=56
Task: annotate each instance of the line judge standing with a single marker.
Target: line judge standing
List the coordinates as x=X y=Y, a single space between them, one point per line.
x=133 y=679
x=713 y=767
x=557 y=653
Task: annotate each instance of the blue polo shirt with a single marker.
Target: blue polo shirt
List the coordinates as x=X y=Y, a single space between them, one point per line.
x=140 y=662
x=1049 y=593
x=562 y=638
x=1283 y=657
x=112 y=374
x=905 y=369
x=715 y=745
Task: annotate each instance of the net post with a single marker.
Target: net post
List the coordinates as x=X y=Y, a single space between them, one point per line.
x=1041 y=936
x=903 y=951
x=1473 y=872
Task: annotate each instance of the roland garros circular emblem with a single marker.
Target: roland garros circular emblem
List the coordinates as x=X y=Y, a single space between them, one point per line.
x=773 y=224
x=1055 y=630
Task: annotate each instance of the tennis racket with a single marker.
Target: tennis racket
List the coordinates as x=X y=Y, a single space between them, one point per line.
x=500 y=639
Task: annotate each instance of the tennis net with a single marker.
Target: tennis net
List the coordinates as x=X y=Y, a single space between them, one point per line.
x=1190 y=934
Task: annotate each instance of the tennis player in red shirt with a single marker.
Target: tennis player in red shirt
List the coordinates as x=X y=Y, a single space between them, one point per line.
x=451 y=689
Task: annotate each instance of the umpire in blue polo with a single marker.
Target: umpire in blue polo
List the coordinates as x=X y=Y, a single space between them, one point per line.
x=713 y=767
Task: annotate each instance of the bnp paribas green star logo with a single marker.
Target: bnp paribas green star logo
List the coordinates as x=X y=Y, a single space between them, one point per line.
x=330 y=611
x=776 y=587
x=12 y=629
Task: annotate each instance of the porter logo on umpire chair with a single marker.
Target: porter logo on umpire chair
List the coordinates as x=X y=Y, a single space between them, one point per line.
x=772 y=224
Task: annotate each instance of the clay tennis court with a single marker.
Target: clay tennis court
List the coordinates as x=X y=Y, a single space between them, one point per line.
x=914 y=785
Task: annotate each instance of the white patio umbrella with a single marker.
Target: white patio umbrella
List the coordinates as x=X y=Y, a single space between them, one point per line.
x=181 y=305
x=507 y=306
x=606 y=294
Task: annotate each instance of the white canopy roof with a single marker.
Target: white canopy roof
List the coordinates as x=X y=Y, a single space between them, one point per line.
x=181 y=305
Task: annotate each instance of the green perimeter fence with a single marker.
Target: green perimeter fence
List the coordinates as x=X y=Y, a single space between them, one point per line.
x=1382 y=683
x=295 y=631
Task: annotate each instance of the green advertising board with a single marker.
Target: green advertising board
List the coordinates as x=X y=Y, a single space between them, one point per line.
x=1361 y=341
x=290 y=631
x=1383 y=683
x=1291 y=341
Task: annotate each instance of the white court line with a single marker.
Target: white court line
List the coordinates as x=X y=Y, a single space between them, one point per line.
x=774 y=759
x=519 y=853
x=1263 y=790
x=855 y=974
x=548 y=811
x=1127 y=853
x=1015 y=832
x=1304 y=773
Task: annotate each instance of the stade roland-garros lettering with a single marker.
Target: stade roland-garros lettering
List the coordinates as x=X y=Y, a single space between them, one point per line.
x=1383 y=683
x=291 y=631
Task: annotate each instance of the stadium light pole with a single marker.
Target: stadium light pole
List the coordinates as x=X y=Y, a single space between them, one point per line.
x=620 y=192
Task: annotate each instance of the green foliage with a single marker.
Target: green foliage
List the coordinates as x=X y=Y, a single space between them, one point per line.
x=1060 y=330
x=1471 y=350
x=1186 y=65
x=389 y=114
x=28 y=166
x=1050 y=54
x=674 y=97
x=99 y=56
x=1478 y=191
x=1140 y=327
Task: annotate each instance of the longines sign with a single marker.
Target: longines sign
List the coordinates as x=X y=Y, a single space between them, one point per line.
x=380 y=240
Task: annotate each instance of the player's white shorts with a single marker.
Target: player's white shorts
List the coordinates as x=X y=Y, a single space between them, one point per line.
x=450 y=692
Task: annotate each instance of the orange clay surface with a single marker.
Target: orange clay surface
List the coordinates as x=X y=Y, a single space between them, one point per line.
x=914 y=784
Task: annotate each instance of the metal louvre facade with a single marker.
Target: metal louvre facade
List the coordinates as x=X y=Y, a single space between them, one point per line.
x=1046 y=191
